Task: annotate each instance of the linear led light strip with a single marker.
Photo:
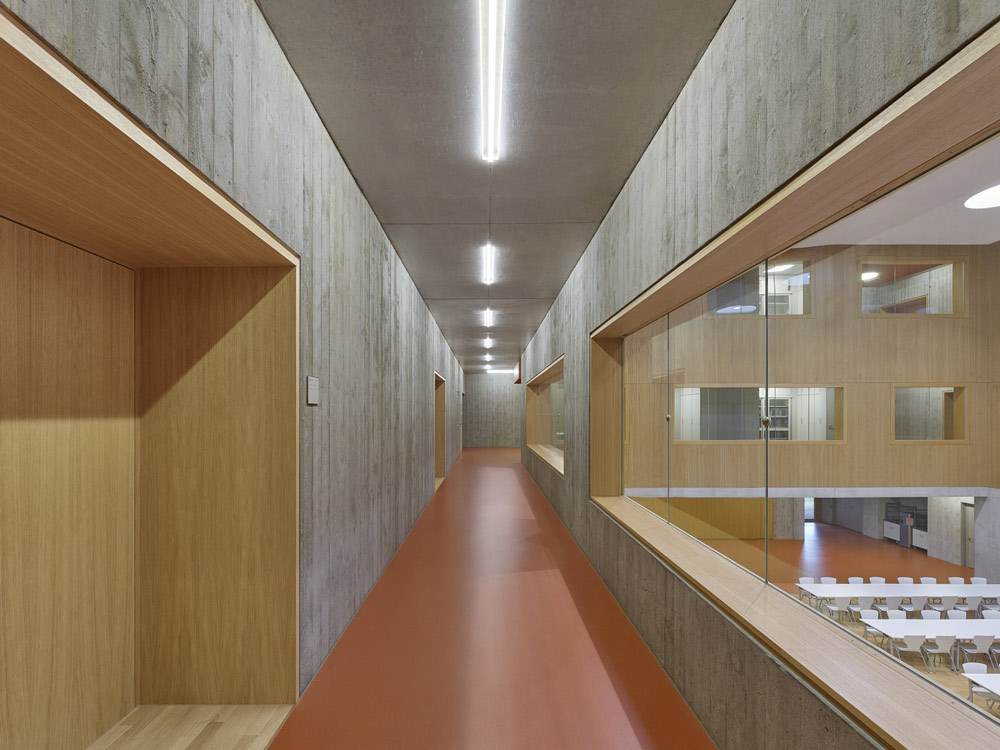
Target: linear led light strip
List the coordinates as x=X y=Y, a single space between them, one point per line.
x=489 y=263
x=492 y=15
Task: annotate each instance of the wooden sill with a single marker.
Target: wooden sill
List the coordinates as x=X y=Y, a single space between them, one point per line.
x=894 y=704
x=552 y=456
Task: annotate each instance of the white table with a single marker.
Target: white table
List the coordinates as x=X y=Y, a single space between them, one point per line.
x=961 y=629
x=883 y=590
x=989 y=681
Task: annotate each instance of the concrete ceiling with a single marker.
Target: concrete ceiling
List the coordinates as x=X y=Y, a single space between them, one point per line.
x=929 y=210
x=586 y=84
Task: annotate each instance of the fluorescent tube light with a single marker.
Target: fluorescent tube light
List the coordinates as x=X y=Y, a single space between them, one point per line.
x=988 y=198
x=503 y=372
x=492 y=14
x=779 y=269
x=869 y=275
x=489 y=318
x=489 y=263
x=488 y=342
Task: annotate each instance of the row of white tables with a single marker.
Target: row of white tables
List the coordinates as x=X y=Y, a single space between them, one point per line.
x=961 y=629
x=884 y=590
x=989 y=681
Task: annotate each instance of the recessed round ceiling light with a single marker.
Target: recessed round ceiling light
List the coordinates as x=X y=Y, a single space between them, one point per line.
x=988 y=198
x=869 y=275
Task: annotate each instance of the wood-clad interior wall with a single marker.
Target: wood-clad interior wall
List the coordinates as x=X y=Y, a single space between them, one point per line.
x=67 y=493
x=834 y=346
x=218 y=481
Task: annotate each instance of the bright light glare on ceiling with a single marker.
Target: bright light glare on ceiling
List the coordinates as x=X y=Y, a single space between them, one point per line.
x=492 y=20
x=489 y=261
x=488 y=342
x=489 y=318
x=869 y=276
x=779 y=269
x=988 y=198
x=502 y=372
x=489 y=357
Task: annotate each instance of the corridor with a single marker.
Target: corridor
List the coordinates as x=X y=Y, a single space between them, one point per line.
x=489 y=629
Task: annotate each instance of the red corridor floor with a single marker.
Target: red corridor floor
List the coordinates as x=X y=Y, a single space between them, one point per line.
x=489 y=629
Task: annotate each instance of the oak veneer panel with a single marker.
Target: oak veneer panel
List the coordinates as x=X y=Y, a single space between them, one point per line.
x=77 y=167
x=218 y=473
x=67 y=493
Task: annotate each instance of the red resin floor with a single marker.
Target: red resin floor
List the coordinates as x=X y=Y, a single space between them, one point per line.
x=489 y=629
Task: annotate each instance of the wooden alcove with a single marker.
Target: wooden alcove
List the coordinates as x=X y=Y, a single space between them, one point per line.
x=148 y=421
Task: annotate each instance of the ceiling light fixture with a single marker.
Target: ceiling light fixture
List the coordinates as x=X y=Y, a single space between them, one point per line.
x=779 y=269
x=492 y=15
x=488 y=367
x=503 y=372
x=489 y=318
x=489 y=260
x=869 y=275
x=488 y=342
x=988 y=198
x=489 y=357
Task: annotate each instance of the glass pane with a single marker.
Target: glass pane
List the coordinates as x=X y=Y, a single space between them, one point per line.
x=716 y=444
x=929 y=413
x=879 y=406
x=918 y=287
x=783 y=289
x=717 y=414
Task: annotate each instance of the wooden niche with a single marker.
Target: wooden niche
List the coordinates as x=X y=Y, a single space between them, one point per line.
x=545 y=419
x=148 y=422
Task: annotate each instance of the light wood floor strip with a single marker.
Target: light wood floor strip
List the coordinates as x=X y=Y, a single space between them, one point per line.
x=195 y=728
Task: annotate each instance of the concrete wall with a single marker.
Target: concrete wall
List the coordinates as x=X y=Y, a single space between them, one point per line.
x=944 y=527
x=493 y=412
x=209 y=78
x=789 y=517
x=987 y=528
x=782 y=81
x=849 y=513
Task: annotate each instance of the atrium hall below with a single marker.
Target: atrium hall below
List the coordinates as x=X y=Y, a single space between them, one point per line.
x=493 y=373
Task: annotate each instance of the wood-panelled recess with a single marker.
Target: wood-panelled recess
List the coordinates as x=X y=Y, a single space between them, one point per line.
x=440 y=427
x=218 y=481
x=538 y=415
x=67 y=493
x=77 y=167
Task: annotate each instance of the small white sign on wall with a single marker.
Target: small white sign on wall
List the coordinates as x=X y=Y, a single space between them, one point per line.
x=312 y=391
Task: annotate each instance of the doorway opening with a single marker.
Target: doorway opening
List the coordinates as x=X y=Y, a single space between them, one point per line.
x=440 y=430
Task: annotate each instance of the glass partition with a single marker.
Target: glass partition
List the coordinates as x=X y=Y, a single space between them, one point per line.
x=829 y=413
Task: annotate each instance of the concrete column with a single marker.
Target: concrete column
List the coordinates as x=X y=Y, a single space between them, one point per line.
x=987 y=534
x=789 y=517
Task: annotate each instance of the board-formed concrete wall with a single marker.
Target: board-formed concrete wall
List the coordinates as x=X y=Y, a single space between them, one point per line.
x=493 y=412
x=209 y=78
x=782 y=81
